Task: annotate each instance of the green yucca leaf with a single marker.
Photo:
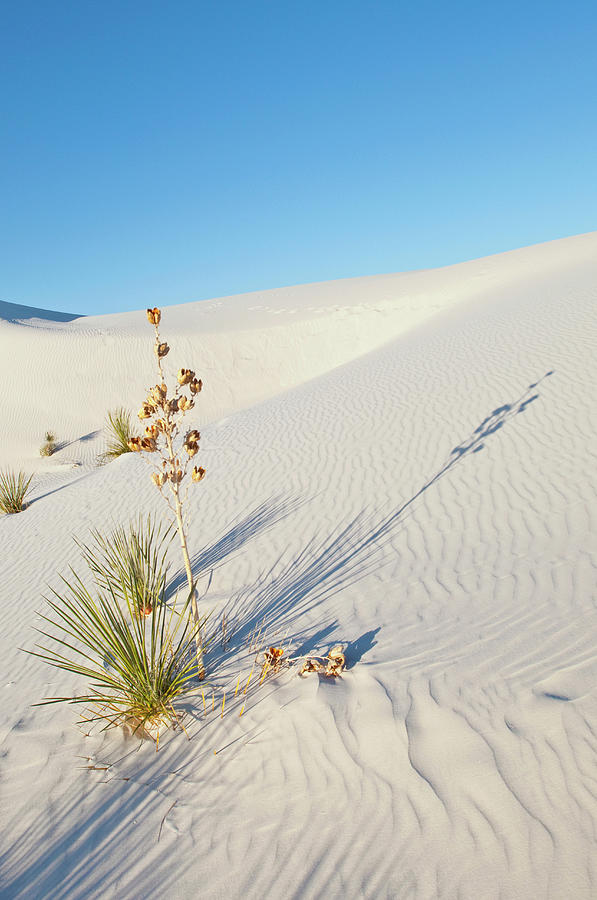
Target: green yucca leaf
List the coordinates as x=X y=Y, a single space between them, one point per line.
x=120 y=431
x=137 y=666
x=13 y=490
x=131 y=562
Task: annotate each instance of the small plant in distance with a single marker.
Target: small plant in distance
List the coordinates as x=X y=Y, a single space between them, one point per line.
x=13 y=490
x=131 y=563
x=120 y=431
x=175 y=451
x=138 y=667
x=49 y=445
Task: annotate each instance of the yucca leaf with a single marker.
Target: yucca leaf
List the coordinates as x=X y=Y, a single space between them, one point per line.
x=150 y=661
x=13 y=490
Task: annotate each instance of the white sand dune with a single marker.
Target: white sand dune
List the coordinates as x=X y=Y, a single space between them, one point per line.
x=403 y=463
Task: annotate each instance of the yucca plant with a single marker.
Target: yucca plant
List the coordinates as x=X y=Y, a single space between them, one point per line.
x=138 y=667
x=131 y=562
x=49 y=445
x=120 y=431
x=13 y=490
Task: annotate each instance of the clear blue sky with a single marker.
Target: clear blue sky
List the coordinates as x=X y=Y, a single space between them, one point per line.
x=162 y=152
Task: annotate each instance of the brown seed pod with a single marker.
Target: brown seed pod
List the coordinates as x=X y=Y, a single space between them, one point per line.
x=158 y=393
x=192 y=448
x=336 y=661
x=159 y=479
x=184 y=403
x=311 y=665
x=175 y=476
x=198 y=473
x=162 y=349
x=154 y=315
x=195 y=385
x=173 y=405
x=152 y=431
x=146 y=411
x=135 y=444
x=273 y=657
x=185 y=375
x=148 y=444
x=191 y=436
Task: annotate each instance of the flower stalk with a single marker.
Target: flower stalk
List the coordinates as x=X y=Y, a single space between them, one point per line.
x=162 y=436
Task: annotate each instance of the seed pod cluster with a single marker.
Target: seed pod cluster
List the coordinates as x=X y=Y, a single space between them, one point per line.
x=332 y=666
x=165 y=414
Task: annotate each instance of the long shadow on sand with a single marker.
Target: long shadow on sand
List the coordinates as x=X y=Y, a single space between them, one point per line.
x=326 y=566
x=64 y=853
x=62 y=445
x=234 y=537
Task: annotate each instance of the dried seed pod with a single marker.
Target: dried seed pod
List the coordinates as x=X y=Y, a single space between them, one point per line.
x=184 y=403
x=154 y=315
x=175 y=476
x=158 y=393
x=159 y=479
x=148 y=444
x=311 y=665
x=152 y=431
x=273 y=657
x=162 y=349
x=160 y=425
x=135 y=444
x=192 y=436
x=185 y=375
x=173 y=405
x=198 y=473
x=272 y=660
x=146 y=411
x=336 y=661
x=331 y=668
x=195 y=385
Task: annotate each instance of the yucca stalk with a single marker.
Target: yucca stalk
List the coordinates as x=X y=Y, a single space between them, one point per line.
x=120 y=431
x=131 y=562
x=138 y=667
x=161 y=436
x=13 y=490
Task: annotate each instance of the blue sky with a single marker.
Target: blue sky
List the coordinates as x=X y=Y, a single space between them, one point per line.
x=160 y=152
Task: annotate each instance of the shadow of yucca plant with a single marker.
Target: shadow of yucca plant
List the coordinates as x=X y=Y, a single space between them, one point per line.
x=13 y=490
x=120 y=432
x=137 y=666
x=131 y=562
